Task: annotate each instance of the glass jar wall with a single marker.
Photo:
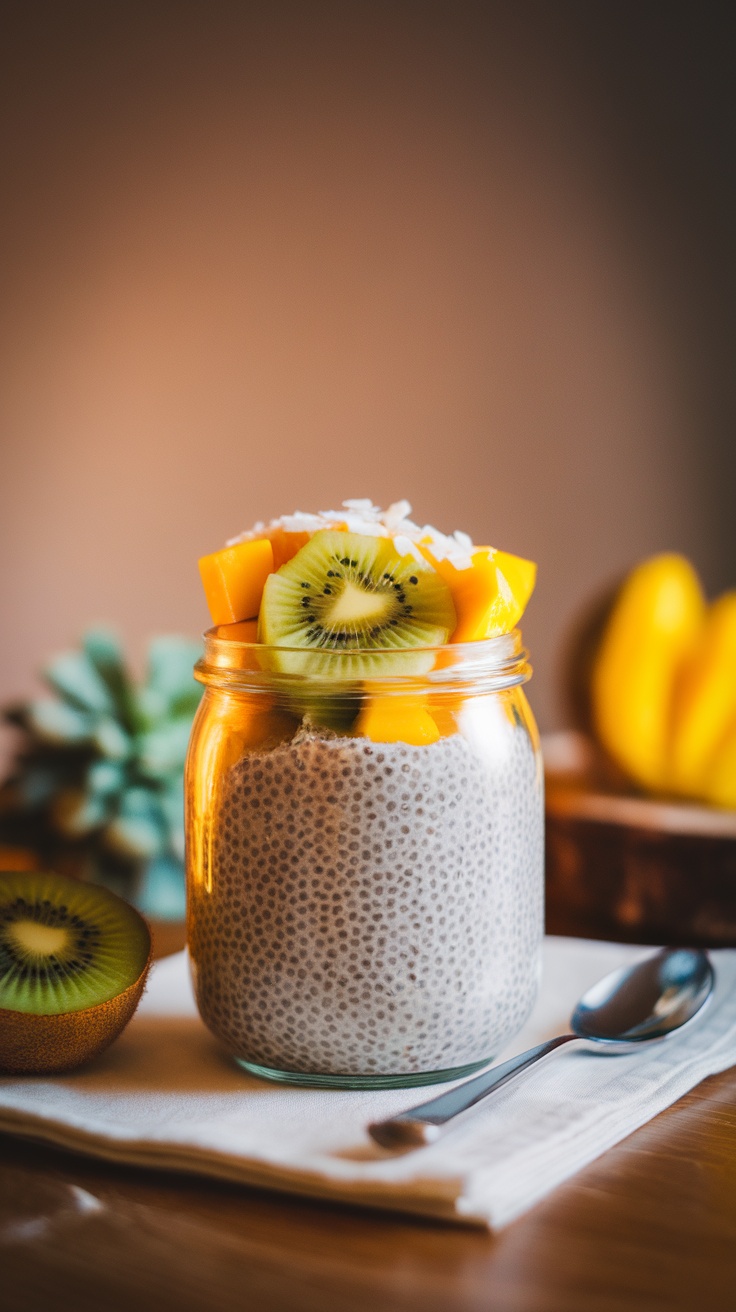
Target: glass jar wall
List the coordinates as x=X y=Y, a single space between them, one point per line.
x=365 y=863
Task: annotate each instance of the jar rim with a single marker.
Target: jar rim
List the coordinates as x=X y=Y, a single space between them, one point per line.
x=483 y=665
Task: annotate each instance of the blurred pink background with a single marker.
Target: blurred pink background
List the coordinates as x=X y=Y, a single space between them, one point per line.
x=259 y=258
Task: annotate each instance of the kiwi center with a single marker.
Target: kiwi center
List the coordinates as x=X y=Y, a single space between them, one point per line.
x=42 y=942
x=347 y=592
x=355 y=604
x=37 y=940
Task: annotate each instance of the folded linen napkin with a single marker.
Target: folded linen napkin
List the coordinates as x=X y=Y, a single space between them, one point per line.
x=165 y=1095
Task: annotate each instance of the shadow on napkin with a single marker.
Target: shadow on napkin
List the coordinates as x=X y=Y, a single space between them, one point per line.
x=167 y=1054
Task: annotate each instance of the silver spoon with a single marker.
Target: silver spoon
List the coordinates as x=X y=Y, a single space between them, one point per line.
x=623 y=1012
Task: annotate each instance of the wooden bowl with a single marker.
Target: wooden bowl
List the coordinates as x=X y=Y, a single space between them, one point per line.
x=624 y=866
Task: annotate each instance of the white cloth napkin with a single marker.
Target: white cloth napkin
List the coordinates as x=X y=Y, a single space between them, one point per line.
x=165 y=1095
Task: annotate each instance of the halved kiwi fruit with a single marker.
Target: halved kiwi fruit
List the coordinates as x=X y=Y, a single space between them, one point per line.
x=73 y=963
x=354 y=594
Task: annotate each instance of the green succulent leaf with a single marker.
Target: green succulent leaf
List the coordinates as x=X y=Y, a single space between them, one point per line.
x=163 y=751
x=105 y=778
x=73 y=675
x=139 y=801
x=58 y=722
x=138 y=829
x=161 y=889
x=172 y=808
x=98 y=778
x=170 y=670
x=104 y=652
x=152 y=708
x=112 y=741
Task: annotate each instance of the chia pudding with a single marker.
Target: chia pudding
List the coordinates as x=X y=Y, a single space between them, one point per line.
x=373 y=909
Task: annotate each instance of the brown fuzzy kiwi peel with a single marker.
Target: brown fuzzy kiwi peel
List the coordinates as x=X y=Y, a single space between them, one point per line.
x=50 y=1045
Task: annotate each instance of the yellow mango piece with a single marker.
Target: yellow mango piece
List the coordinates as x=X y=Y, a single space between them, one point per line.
x=491 y=596
x=394 y=719
x=234 y=579
x=242 y=657
x=705 y=698
x=654 y=624
x=285 y=545
x=243 y=631
x=444 y=710
x=718 y=784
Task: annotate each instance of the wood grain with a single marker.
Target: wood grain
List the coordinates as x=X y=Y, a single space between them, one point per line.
x=650 y=1226
x=627 y=867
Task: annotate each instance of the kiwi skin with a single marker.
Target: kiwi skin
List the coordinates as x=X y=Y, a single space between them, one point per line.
x=51 y=1045
x=33 y=1044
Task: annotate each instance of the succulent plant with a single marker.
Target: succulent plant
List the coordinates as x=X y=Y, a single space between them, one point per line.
x=97 y=785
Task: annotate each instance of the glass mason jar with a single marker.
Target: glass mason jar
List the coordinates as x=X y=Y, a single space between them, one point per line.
x=365 y=862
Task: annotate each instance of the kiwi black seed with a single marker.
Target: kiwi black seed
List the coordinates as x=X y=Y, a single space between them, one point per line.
x=73 y=963
x=354 y=595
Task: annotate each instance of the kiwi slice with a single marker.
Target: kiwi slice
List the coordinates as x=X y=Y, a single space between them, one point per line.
x=73 y=963
x=354 y=594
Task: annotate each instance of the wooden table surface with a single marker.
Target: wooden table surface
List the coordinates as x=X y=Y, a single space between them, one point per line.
x=650 y=1226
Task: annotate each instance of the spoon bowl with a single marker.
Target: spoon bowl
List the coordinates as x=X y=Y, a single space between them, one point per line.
x=650 y=1000
x=631 y=1007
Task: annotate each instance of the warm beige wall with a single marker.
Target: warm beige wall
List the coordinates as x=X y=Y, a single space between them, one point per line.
x=254 y=265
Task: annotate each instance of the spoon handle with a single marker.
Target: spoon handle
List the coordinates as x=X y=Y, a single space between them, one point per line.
x=424 y=1123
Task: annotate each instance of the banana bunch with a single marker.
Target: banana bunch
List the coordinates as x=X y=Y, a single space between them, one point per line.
x=96 y=789
x=663 y=683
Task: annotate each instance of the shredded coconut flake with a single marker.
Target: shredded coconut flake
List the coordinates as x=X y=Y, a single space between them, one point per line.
x=362 y=516
x=405 y=547
x=360 y=503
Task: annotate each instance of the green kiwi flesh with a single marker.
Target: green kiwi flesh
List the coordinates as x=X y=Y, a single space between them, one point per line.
x=73 y=963
x=65 y=945
x=352 y=594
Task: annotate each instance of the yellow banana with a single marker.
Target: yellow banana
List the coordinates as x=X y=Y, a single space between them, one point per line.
x=704 y=703
x=654 y=624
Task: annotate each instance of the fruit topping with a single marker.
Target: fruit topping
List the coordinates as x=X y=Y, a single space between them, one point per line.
x=395 y=719
x=233 y=580
x=357 y=595
x=243 y=631
x=491 y=595
x=490 y=588
x=368 y=584
x=73 y=963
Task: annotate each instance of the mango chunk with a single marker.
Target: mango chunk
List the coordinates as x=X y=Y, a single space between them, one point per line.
x=705 y=698
x=285 y=545
x=243 y=631
x=653 y=627
x=396 y=720
x=491 y=596
x=286 y=542
x=234 y=579
x=243 y=657
x=445 y=709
